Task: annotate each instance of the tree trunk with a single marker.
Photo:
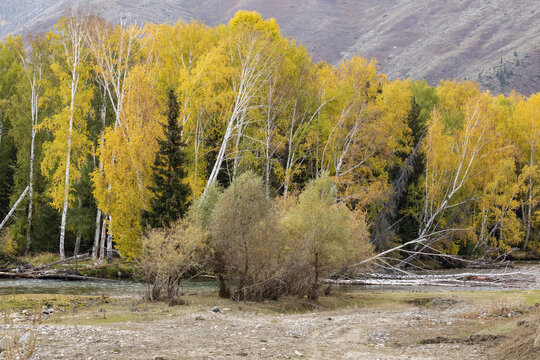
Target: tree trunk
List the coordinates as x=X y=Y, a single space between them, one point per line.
x=77 y=244
x=224 y=291
x=530 y=205
x=30 y=189
x=34 y=101
x=102 y=240
x=13 y=208
x=315 y=286
x=109 y=242
x=95 y=246
x=103 y=114
x=66 y=179
x=79 y=235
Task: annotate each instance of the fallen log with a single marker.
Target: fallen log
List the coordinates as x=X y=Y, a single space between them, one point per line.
x=77 y=257
x=506 y=279
x=50 y=276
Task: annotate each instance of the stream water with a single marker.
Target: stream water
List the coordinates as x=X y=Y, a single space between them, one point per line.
x=132 y=288
x=109 y=288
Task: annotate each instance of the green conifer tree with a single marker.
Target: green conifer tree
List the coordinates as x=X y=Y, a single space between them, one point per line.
x=170 y=202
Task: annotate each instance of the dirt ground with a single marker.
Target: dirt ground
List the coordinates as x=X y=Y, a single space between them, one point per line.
x=359 y=326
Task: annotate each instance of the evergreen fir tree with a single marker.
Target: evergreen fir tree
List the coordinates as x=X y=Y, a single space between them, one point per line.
x=171 y=192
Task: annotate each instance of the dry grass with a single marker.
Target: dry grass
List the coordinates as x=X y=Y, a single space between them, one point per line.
x=19 y=343
x=522 y=339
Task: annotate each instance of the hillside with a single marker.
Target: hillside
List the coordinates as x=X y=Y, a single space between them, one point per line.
x=483 y=40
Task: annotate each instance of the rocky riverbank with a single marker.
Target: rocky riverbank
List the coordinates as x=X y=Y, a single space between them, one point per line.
x=344 y=326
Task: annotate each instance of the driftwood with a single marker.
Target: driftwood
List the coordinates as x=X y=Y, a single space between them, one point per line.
x=77 y=257
x=27 y=271
x=503 y=279
x=50 y=276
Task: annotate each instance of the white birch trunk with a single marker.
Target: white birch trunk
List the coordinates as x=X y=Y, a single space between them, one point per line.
x=98 y=215
x=34 y=75
x=77 y=36
x=31 y=190
x=66 y=179
x=23 y=195
x=96 y=235
x=253 y=75
x=102 y=240
x=109 y=241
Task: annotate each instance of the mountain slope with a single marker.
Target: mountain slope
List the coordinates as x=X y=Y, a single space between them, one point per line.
x=489 y=41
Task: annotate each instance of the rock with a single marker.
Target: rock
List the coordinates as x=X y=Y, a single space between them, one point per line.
x=215 y=309
x=26 y=337
x=297 y=353
x=48 y=311
x=157 y=357
x=226 y=309
x=5 y=343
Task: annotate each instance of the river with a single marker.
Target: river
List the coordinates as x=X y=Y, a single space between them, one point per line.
x=133 y=288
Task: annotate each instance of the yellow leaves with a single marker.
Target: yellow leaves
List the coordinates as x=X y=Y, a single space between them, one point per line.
x=252 y=21
x=128 y=152
x=526 y=127
x=71 y=72
x=395 y=103
x=454 y=94
x=54 y=163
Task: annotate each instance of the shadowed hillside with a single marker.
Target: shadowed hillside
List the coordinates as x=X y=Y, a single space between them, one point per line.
x=486 y=41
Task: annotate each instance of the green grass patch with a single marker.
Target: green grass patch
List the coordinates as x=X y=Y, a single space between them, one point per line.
x=65 y=302
x=41 y=259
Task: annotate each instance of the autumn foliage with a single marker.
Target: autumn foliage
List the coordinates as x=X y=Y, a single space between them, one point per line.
x=258 y=120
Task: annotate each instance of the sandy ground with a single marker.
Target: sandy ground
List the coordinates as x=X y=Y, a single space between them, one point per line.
x=450 y=326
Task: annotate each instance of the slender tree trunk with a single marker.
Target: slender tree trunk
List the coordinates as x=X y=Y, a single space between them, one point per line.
x=290 y=158
x=315 y=286
x=267 y=176
x=79 y=235
x=109 y=241
x=77 y=244
x=68 y=161
x=103 y=114
x=95 y=246
x=23 y=195
x=35 y=88
x=31 y=184
x=237 y=149
x=102 y=240
x=530 y=205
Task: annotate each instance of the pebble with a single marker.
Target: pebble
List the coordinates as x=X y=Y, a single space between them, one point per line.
x=25 y=337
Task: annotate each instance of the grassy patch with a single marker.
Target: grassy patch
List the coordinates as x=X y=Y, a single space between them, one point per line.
x=8 y=261
x=65 y=302
x=41 y=259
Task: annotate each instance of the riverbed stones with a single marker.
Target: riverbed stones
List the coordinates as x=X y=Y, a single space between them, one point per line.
x=6 y=342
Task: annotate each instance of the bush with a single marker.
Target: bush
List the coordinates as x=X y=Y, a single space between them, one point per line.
x=166 y=255
x=248 y=242
x=263 y=249
x=325 y=235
